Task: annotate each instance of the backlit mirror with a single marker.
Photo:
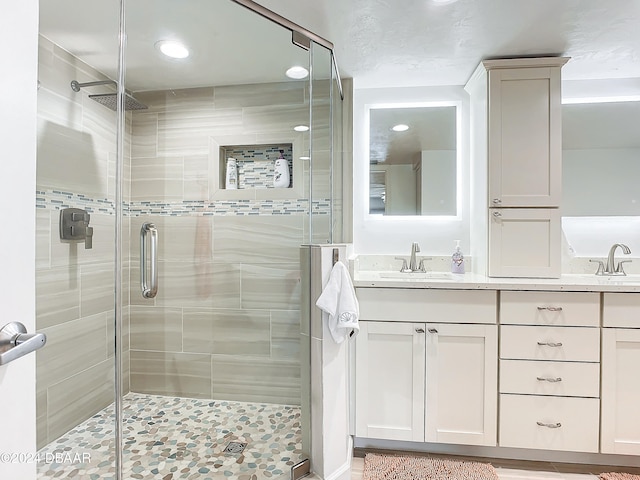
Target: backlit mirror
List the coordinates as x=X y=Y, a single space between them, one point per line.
x=413 y=159
x=600 y=158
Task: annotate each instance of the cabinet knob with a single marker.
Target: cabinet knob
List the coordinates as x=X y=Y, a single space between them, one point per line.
x=497 y=201
x=549 y=425
x=433 y=330
x=419 y=330
x=549 y=379
x=497 y=214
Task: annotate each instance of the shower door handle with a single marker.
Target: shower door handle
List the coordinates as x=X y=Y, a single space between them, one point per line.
x=149 y=288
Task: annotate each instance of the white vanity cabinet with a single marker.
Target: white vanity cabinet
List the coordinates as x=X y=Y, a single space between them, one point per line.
x=426 y=366
x=550 y=370
x=621 y=373
x=516 y=126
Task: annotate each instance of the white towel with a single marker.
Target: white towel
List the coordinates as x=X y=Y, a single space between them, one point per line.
x=339 y=304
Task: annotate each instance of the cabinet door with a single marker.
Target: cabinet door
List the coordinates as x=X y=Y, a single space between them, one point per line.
x=390 y=375
x=524 y=242
x=525 y=144
x=462 y=364
x=620 y=429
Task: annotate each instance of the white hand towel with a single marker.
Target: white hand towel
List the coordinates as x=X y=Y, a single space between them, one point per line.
x=339 y=304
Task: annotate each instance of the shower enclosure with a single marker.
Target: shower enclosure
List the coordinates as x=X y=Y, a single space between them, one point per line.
x=172 y=306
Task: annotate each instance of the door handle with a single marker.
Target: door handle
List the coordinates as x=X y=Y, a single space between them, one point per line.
x=15 y=342
x=149 y=287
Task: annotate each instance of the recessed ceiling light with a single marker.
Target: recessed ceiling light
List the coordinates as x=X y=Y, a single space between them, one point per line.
x=172 y=48
x=297 y=72
x=301 y=128
x=400 y=127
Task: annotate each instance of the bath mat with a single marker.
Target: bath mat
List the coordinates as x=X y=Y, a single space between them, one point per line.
x=402 y=467
x=618 y=476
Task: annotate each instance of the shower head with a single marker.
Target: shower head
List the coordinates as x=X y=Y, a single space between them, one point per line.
x=109 y=100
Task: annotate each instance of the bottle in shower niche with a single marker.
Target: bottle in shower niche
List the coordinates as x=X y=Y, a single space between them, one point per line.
x=457 y=260
x=281 y=172
x=231 y=179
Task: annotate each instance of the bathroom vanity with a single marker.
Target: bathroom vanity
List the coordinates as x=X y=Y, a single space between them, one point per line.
x=540 y=365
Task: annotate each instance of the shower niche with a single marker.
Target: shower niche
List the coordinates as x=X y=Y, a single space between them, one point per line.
x=255 y=169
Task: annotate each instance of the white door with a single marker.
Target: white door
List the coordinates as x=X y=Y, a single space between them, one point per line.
x=620 y=428
x=525 y=143
x=19 y=49
x=390 y=378
x=524 y=242
x=462 y=376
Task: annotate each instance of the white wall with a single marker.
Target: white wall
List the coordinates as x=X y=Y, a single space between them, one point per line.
x=392 y=235
x=19 y=52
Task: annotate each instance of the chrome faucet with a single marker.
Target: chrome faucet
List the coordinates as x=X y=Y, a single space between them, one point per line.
x=413 y=265
x=611 y=268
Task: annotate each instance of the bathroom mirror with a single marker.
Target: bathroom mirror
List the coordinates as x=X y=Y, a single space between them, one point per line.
x=600 y=158
x=413 y=159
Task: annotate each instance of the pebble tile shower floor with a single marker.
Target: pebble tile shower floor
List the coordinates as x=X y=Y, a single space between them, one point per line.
x=171 y=438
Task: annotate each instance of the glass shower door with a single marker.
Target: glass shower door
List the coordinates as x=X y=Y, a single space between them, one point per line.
x=214 y=362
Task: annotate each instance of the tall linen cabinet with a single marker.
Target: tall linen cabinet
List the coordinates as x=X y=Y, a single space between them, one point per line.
x=516 y=166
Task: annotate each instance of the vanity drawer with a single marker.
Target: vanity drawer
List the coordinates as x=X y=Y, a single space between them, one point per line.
x=575 y=344
x=427 y=305
x=570 y=424
x=621 y=310
x=550 y=308
x=569 y=379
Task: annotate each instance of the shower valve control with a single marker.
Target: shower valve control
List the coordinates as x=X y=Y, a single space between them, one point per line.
x=74 y=226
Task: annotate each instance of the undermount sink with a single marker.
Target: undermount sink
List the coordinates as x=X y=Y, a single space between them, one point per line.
x=435 y=276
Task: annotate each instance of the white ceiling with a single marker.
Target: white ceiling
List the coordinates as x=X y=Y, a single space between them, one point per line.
x=379 y=43
x=383 y=43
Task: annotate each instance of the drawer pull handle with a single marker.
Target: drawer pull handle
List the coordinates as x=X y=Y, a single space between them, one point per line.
x=549 y=379
x=549 y=425
x=419 y=330
x=433 y=330
x=550 y=344
x=551 y=309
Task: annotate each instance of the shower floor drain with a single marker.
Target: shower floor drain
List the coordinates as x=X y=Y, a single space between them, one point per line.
x=235 y=447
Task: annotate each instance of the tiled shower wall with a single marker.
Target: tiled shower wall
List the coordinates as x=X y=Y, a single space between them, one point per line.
x=74 y=286
x=226 y=321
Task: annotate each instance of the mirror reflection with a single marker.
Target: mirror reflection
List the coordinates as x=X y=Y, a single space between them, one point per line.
x=413 y=160
x=600 y=159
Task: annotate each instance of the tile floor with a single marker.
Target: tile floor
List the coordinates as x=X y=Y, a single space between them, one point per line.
x=171 y=438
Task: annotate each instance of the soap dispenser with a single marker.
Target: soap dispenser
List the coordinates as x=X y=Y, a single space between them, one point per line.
x=457 y=260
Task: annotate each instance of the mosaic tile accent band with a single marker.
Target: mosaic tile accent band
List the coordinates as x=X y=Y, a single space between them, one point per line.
x=173 y=438
x=56 y=200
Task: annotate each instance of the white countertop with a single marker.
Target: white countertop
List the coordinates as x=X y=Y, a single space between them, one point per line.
x=471 y=281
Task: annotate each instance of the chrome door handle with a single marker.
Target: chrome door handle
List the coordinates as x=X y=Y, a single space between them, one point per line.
x=433 y=330
x=419 y=330
x=15 y=342
x=149 y=289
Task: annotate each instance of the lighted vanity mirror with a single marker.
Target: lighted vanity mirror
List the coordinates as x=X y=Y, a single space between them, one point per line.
x=414 y=159
x=600 y=158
